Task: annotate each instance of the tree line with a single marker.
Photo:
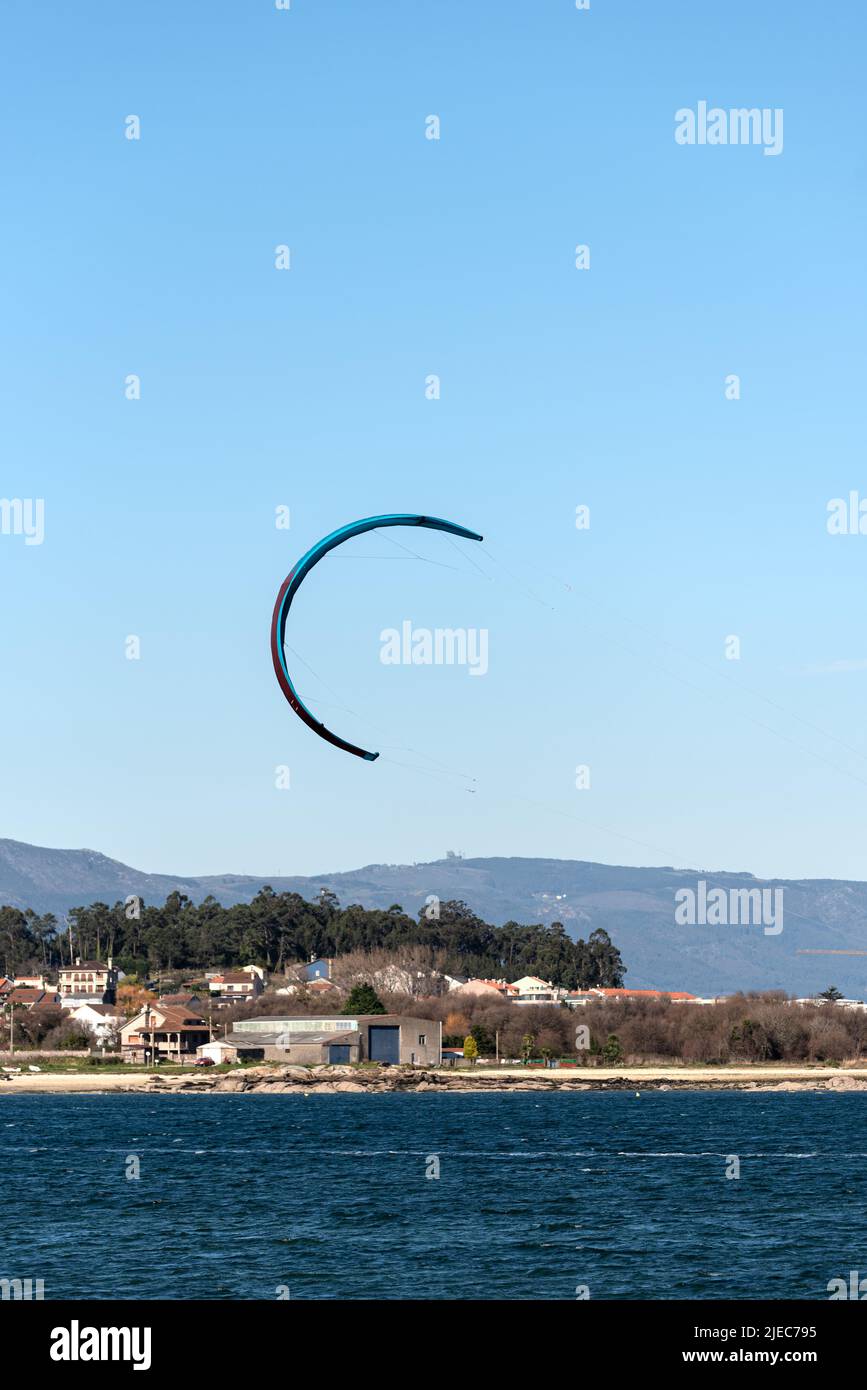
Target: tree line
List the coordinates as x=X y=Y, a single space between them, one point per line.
x=755 y=1028
x=277 y=930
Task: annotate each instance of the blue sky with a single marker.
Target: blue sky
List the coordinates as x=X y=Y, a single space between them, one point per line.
x=559 y=387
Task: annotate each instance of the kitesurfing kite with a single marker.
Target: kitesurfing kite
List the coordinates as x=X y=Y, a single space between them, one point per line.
x=290 y=588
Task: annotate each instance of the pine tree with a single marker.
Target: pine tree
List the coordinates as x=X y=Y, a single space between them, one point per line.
x=363 y=999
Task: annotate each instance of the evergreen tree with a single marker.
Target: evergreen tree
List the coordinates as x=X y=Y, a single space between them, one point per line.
x=483 y=1038
x=363 y=999
x=277 y=930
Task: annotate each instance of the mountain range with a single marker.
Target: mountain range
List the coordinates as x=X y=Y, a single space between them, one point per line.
x=636 y=906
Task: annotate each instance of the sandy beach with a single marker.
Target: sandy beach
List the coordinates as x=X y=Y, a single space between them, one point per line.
x=344 y=1079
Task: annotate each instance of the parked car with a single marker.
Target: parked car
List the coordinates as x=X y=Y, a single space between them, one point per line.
x=204 y=1062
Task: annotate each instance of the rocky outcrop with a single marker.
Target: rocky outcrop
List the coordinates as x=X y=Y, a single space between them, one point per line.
x=276 y=1080
x=350 y=1080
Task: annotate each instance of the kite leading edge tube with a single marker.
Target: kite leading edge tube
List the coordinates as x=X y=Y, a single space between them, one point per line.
x=290 y=587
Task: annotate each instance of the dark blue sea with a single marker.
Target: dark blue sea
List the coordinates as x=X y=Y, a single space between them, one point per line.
x=326 y=1196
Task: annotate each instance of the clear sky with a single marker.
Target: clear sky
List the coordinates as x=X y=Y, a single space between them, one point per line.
x=559 y=388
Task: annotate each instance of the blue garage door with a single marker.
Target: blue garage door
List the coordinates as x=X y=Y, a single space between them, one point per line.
x=338 y=1052
x=384 y=1044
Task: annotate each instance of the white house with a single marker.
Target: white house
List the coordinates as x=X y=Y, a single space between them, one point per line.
x=237 y=986
x=857 y=1004
x=532 y=990
x=218 y=1052
x=103 y=1021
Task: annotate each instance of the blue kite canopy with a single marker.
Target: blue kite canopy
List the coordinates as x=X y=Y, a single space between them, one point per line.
x=290 y=587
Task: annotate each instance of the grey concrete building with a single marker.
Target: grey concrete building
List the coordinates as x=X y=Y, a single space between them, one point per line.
x=338 y=1038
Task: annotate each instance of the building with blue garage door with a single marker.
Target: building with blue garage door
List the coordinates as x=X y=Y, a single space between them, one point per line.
x=339 y=1039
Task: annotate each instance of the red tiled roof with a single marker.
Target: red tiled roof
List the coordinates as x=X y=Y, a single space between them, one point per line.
x=646 y=994
x=24 y=994
x=170 y=1020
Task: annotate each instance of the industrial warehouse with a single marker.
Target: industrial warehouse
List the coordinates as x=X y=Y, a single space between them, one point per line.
x=306 y=1040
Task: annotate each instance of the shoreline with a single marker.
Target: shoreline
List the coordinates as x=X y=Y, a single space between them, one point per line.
x=345 y=1080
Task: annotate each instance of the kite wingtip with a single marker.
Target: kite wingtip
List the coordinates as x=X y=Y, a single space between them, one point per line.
x=371 y=757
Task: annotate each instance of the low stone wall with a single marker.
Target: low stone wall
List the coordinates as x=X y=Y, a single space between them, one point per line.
x=45 y=1055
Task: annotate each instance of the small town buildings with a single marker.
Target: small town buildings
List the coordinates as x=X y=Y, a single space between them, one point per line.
x=32 y=981
x=532 y=990
x=237 y=986
x=489 y=987
x=858 y=1005
x=22 y=997
x=103 y=1021
x=304 y=986
x=528 y=990
x=677 y=996
x=323 y=987
x=163 y=1033
x=480 y=987
x=578 y=998
x=318 y=969
x=87 y=982
x=334 y=1039
x=217 y=1052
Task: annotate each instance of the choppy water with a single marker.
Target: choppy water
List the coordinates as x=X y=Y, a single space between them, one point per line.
x=327 y=1195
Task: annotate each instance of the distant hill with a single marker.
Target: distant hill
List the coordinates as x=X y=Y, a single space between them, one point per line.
x=635 y=905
